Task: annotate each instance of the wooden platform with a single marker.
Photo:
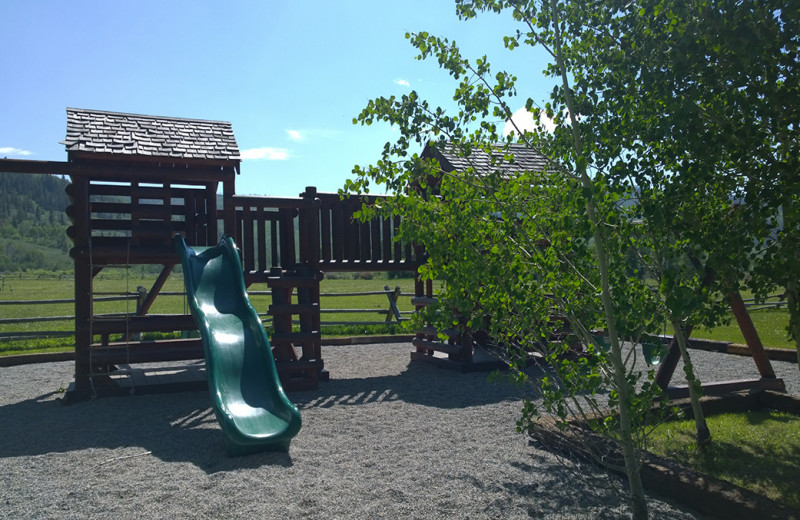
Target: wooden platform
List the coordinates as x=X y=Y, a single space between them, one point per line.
x=157 y=378
x=142 y=379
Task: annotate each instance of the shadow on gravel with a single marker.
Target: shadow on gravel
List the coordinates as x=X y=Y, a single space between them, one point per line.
x=181 y=427
x=178 y=427
x=421 y=384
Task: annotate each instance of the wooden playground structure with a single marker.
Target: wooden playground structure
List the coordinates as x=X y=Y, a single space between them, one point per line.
x=138 y=180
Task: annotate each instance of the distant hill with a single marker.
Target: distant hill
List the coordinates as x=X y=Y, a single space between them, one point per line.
x=33 y=223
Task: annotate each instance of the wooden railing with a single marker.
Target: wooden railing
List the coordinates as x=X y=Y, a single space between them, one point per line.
x=348 y=244
x=317 y=229
x=126 y=223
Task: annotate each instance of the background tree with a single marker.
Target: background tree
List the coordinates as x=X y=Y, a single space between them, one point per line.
x=689 y=108
x=484 y=234
x=702 y=98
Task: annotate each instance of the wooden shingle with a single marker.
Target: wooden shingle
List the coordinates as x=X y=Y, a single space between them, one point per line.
x=525 y=159
x=153 y=136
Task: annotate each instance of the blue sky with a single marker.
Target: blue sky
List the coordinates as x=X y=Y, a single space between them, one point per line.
x=289 y=76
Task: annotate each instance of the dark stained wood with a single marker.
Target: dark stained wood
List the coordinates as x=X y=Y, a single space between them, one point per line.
x=308 y=368
x=666 y=369
x=325 y=231
x=247 y=242
x=262 y=239
x=398 y=246
x=375 y=239
x=436 y=346
x=364 y=237
x=274 y=243
x=287 y=243
x=211 y=234
x=150 y=323
x=751 y=335
x=293 y=308
x=273 y=202
x=157 y=199
x=386 y=232
x=148 y=351
x=337 y=233
x=190 y=214
x=357 y=265
x=726 y=387
x=34 y=167
x=84 y=276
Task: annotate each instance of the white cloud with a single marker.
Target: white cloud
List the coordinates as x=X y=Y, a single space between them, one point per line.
x=295 y=135
x=524 y=121
x=10 y=150
x=266 y=153
x=402 y=82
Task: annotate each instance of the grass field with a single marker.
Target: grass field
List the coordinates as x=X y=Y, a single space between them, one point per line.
x=770 y=324
x=756 y=450
x=118 y=282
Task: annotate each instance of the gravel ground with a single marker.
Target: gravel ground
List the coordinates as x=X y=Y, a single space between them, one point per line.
x=384 y=438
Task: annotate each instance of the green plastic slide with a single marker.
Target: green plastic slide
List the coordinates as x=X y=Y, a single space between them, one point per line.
x=248 y=399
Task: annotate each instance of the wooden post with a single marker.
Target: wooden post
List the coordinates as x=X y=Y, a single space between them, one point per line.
x=141 y=309
x=211 y=217
x=229 y=211
x=79 y=193
x=666 y=369
x=750 y=335
x=393 y=297
x=286 y=231
x=309 y=230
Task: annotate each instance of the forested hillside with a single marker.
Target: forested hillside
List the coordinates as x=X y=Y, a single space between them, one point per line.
x=33 y=223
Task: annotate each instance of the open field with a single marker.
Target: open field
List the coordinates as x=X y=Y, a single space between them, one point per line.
x=770 y=323
x=171 y=301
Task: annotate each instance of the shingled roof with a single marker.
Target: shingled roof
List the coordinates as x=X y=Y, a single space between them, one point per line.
x=141 y=135
x=525 y=159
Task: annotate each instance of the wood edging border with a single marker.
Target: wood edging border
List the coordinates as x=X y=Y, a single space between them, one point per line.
x=664 y=477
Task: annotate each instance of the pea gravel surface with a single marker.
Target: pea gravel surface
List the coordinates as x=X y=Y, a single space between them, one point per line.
x=384 y=438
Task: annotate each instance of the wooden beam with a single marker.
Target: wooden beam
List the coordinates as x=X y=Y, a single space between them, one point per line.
x=114 y=171
x=725 y=387
x=155 y=289
x=751 y=335
x=27 y=166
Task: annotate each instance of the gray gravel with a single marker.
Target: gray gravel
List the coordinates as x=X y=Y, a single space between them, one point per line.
x=384 y=438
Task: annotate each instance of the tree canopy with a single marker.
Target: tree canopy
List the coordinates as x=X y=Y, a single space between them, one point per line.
x=687 y=108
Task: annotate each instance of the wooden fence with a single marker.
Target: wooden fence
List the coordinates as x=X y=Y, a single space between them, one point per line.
x=391 y=314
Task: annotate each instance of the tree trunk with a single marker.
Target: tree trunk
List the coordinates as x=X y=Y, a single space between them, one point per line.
x=791 y=285
x=629 y=451
x=793 y=303
x=695 y=392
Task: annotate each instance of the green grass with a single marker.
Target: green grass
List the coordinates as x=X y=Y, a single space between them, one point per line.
x=770 y=325
x=757 y=450
x=119 y=281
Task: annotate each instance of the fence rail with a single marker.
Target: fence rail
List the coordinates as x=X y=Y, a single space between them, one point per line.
x=391 y=314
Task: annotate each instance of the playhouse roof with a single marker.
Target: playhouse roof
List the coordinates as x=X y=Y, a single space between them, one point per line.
x=525 y=159
x=153 y=136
